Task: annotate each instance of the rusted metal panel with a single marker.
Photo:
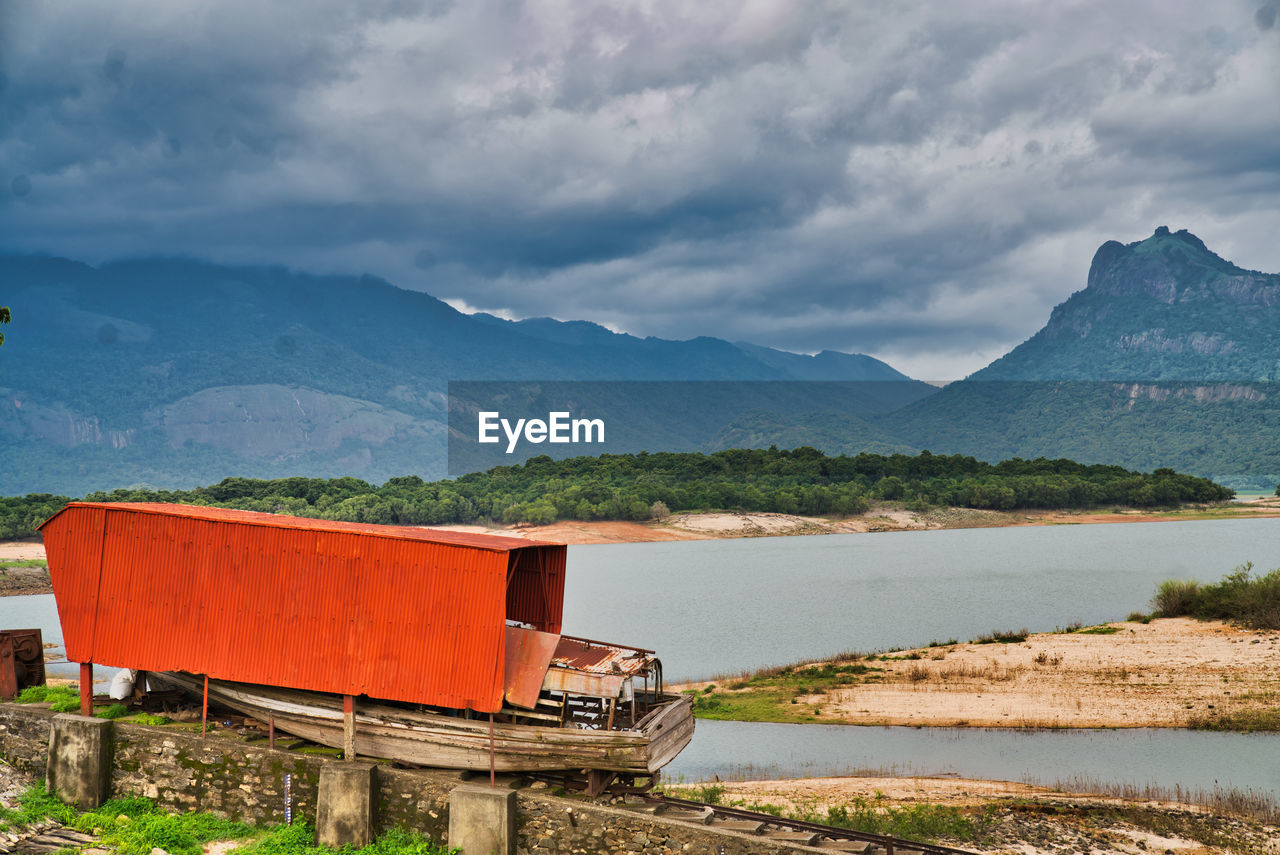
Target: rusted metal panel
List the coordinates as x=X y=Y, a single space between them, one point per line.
x=22 y=661
x=597 y=658
x=72 y=569
x=529 y=653
x=582 y=683
x=390 y=612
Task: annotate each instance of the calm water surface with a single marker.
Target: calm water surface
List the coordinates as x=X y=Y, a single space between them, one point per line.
x=1194 y=760
x=719 y=606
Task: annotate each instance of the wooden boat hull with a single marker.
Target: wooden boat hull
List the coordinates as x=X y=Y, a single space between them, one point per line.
x=433 y=739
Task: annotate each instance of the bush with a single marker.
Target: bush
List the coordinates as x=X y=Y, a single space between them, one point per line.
x=1175 y=597
x=1239 y=597
x=996 y=637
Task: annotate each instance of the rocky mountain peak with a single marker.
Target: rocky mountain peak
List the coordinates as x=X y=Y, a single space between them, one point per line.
x=1163 y=308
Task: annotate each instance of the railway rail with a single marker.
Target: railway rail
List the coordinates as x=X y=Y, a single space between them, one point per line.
x=792 y=831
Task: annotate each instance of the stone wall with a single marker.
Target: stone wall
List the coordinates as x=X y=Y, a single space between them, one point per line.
x=243 y=781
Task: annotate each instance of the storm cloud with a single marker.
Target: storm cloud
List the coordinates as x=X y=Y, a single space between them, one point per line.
x=920 y=181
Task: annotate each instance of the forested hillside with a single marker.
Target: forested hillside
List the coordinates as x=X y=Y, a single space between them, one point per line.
x=641 y=486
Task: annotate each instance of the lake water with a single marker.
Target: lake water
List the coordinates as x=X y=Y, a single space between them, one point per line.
x=1137 y=757
x=1194 y=760
x=721 y=606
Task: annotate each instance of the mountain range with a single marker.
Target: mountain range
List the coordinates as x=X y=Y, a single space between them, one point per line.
x=174 y=373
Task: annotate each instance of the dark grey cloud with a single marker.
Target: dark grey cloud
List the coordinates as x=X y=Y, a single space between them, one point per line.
x=921 y=181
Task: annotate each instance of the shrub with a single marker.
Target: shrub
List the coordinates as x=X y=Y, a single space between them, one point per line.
x=1239 y=597
x=1012 y=637
x=1175 y=597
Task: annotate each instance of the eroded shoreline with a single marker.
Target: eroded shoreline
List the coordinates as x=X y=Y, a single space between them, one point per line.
x=880 y=518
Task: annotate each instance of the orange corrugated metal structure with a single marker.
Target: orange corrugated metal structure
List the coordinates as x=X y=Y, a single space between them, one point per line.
x=390 y=612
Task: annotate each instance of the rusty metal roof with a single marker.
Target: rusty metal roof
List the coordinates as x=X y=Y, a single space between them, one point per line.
x=596 y=657
x=390 y=612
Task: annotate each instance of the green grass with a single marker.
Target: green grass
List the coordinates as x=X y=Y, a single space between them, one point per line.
x=299 y=839
x=1100 y=629
x=148 y=718
x=60 y=698
x=1011 y=637
x=924 y=822
x=23 y=562
x=712 y=794
x=773 y=694
x=1240 y=721
x=135 y=826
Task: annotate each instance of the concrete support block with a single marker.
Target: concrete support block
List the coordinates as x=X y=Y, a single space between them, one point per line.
x=344 y=806
x=79 y=770
x=482 y=821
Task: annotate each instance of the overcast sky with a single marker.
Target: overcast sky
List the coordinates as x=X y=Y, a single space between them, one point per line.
x=920 y=181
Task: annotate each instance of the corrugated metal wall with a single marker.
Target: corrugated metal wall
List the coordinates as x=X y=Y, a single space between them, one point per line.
x=397 y=613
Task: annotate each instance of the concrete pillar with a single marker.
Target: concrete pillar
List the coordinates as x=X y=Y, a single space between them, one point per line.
x=344 y=809
x=482 y=821
x=79 y=770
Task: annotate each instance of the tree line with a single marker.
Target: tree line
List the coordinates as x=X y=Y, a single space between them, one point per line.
x=644 y=486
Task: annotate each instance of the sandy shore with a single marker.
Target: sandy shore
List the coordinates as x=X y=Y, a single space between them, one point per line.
x=1169 y=673
x=706 y=526
x=21 y=550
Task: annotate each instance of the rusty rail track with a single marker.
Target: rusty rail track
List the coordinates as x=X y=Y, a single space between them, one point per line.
x=764 y=825
x=794 y=830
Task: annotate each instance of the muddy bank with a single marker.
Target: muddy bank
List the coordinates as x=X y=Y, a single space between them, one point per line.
x=22 y=568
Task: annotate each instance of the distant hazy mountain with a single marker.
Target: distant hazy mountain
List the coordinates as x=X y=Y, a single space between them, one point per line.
x=174 y=373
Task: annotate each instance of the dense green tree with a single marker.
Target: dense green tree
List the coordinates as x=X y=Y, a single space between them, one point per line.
x=644 y=486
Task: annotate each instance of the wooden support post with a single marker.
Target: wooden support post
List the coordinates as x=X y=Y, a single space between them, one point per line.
x=348 y=727
x=86 y=688
x=493 y=778
x=204 y=707
x=613 y=702
x=271 y=732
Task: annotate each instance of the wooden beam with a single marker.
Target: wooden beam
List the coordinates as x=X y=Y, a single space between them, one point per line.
x=348 y=727
x=204 y=707
x=86 y=688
